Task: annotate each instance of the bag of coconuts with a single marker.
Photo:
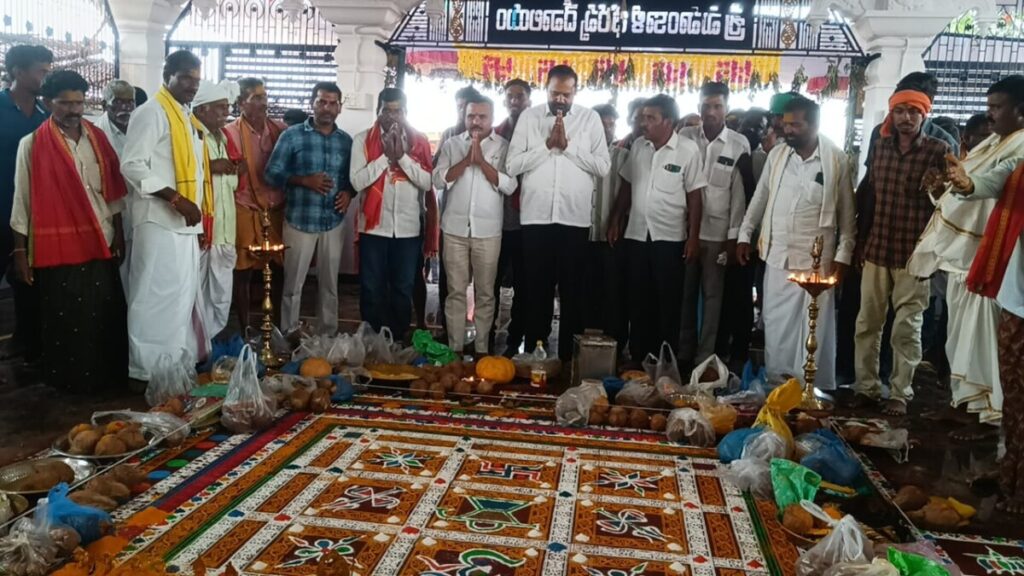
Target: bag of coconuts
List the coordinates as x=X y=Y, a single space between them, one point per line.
x=573 y=407
x=246 y=408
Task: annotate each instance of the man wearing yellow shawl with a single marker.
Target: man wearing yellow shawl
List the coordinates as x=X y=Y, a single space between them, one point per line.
x=950 y=243
x=163 y=160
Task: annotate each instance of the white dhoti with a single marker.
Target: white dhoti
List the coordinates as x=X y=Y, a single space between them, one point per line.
x=786 y=331
x=162 y=301
x=217 y=270
x=973 y=351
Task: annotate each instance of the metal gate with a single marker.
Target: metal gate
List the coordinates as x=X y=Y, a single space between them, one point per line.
x=967 y=60
x=80 y=33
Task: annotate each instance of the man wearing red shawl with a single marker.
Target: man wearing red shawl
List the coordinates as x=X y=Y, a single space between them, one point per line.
x=391 y=171
x=998 y=272
x=69 y=242
x=903 y=166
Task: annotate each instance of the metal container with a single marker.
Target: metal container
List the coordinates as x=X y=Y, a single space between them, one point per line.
x=594 y=355
x=13 y=473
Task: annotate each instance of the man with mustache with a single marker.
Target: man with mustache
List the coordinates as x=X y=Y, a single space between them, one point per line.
x=903 y=164
x=68 y=197
x=163 y=163
x=804 y=192
x=559 y=149
x=950 y=243
x=21 y=112
x=470 y=169
x=118 y=105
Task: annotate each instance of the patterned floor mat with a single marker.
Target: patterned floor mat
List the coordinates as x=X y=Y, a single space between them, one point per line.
x=398 y=494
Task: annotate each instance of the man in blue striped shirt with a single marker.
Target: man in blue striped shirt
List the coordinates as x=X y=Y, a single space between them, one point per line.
x=311 y=162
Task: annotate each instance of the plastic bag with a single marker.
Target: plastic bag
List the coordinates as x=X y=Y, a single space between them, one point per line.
x=721 y=416
x=896 y=441
x=29 y=550
x=731 y=447
x=809 y=443
x=688 y=426
x=719 y=377
x=222 y=369
x=751 y=475
x=639 y=394
x=172 y=429
x=431 y=349
x=878 y=567
x=406 y=355
x=793 y=483
x=766 y=447
x=776 y=406
x=246 y=408
x=278 y=342
x=90 y=523
x=378 y=344
x=171 y=378
x=664 y=372
x=573 y=407
x=846 y=544
x=751 y=391
x=924 y=548
x=913 y=565
x=832 y=461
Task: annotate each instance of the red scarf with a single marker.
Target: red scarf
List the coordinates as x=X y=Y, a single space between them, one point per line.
x=374 y=148
x=64 y=228
x=1004 y=227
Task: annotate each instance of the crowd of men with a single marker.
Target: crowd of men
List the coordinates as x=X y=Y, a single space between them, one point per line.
x=129 y=236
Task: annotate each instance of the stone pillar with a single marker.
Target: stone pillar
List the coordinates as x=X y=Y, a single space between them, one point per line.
x=143 y=26
x=361 y=76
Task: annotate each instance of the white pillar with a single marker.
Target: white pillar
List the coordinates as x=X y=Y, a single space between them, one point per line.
x=361 y=75
x=142 y=26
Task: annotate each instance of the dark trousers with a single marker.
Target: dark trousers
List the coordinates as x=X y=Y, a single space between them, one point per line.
x=656 y=272
x=607 y=281
x=511 y=273
x=554 y=256
x=737 y=319
x=387 y=272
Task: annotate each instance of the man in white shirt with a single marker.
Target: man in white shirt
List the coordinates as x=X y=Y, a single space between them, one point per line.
x=659 y=206
x=118 y=105
x=390 y=170
x=470 y=169
x=607 y=277
x=804 y=192
x=167 y=220
x=558 y=148
x=723 y=206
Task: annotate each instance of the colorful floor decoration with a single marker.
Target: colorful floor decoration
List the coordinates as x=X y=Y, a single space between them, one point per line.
x=977 y=556
x=397 y=493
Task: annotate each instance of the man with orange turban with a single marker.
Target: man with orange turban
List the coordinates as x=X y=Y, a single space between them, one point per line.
x=905 y=164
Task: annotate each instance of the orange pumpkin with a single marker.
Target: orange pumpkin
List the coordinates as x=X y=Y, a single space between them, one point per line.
x=315 y=368
x=496 y=369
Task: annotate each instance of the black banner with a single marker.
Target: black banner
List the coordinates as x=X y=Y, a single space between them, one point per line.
x=648 y=24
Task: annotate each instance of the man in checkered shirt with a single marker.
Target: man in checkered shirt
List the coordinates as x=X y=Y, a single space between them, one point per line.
x=903 y=172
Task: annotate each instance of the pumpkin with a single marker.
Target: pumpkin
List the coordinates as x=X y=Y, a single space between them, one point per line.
x=315 y=368
x=496 y=369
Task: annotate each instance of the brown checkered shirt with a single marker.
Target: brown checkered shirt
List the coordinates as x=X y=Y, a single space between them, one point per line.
x=902 y=207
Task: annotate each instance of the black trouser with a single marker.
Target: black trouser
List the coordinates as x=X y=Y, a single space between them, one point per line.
x=737 y=319
x=607 y=281
x=511 y=273
x=554 y=255
x=656 y=272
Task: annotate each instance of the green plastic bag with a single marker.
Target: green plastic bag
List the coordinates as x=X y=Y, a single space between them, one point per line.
x=793 y=483
x=433 y=351
x=913 y=565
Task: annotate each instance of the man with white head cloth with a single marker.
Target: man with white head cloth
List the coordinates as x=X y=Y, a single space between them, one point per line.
x=217 y=260
x=118 y=106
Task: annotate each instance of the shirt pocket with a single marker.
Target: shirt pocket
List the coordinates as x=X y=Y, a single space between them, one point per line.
x=668 y=181
x=721 y=175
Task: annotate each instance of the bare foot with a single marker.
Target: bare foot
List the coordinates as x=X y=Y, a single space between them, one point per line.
x=949 y=414
x=974 y=432
x=1011 y=506
x=894 y=408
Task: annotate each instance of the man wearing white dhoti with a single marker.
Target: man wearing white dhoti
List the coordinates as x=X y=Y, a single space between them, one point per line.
x=163 y=161
x=804 y=192
x=950 y=243
x=221 y=164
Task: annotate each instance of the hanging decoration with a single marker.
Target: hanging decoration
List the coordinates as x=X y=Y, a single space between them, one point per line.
x=671 y=73
x=800 y=78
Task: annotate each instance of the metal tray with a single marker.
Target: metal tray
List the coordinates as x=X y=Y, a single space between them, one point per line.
x=14 y=472
x=63 y=447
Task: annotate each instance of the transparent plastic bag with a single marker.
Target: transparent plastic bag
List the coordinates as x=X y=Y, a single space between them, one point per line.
x=688 y=426
x=222 y=369
x=751 y=392
x=716 y=372
x=878 y=567
x=765 y=447
x=751 y=475
x=722 y=416
x=246 y=408
x=846 y=544
x=337 y=354
x=639 y=394
x=378 y=345
x=172 y=429
x=664 y=371
x=573 y=407
x=171 y=378
x=29 y=550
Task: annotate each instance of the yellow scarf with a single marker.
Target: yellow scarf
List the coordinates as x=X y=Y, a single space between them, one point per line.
x=183 y=153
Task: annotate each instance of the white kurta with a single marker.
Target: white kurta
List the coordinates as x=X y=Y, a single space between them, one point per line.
x=786 y=331
x=950 y=243
x=217 y=269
